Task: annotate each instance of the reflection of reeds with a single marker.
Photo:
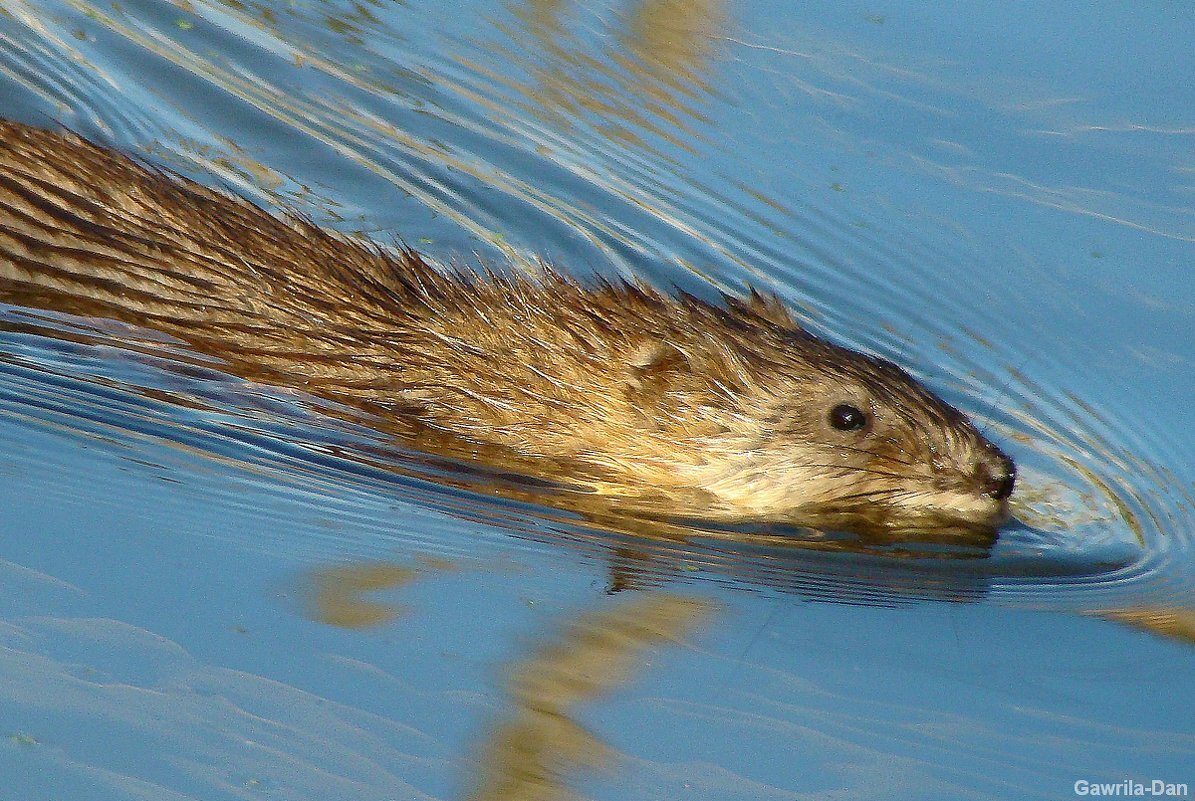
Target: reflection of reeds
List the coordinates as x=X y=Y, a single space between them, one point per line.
x=529 y=756
x=645 y=86
x=674 y=39
x=1176 y=623
x=335 y=594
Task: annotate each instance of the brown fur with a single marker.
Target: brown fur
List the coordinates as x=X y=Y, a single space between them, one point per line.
x=715 y=411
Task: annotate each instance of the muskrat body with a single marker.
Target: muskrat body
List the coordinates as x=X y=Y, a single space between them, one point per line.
x=727 y=412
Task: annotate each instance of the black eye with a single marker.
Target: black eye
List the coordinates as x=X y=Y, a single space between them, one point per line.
x=845 y=417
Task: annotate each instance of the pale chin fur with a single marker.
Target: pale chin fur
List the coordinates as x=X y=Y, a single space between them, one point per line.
x=761 y=494
x=943 y=504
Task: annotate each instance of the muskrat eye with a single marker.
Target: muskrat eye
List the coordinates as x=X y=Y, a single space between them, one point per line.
x=845 y=417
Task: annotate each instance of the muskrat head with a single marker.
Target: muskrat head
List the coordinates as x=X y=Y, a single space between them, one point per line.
x=801 y=430
x=860 y=443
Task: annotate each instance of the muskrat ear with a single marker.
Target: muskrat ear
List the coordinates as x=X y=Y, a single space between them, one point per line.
x=765 y=305
x=653 y=368
x=657 y=359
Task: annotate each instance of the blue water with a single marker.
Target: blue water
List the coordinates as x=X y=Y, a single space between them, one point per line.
x=212 y=589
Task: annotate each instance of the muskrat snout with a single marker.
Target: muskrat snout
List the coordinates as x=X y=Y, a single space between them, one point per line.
x=997 y=474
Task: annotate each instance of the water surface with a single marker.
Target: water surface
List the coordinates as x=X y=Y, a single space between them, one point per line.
x=220 y=590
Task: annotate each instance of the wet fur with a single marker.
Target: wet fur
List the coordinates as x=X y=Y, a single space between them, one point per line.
x=713 y=410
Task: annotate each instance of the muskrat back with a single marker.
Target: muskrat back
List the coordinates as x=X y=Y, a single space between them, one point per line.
x=729 y=412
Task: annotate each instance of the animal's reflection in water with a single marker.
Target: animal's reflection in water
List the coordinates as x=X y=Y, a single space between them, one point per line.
x=537 y=746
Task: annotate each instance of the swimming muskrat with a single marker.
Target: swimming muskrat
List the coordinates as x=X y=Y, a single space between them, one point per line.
x=728 y=412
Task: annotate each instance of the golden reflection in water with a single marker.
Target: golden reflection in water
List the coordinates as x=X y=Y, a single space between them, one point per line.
x=529 y=755
x=334 y=594
x=645 y=83
x=675 y=38
x=1176 y=623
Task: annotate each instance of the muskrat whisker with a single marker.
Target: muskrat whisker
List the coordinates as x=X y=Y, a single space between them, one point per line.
x=876 y=491
x=847 y=470
x=881 y=456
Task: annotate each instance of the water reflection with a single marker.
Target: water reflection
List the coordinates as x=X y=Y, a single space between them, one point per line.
x=640 y=79
x=335 y=595
x=538 y=746
x=1173 y=623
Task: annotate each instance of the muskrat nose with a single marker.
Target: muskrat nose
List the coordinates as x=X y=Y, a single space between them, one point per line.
x=997 y=475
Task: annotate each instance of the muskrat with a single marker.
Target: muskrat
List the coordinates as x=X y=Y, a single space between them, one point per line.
x=726 y=411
